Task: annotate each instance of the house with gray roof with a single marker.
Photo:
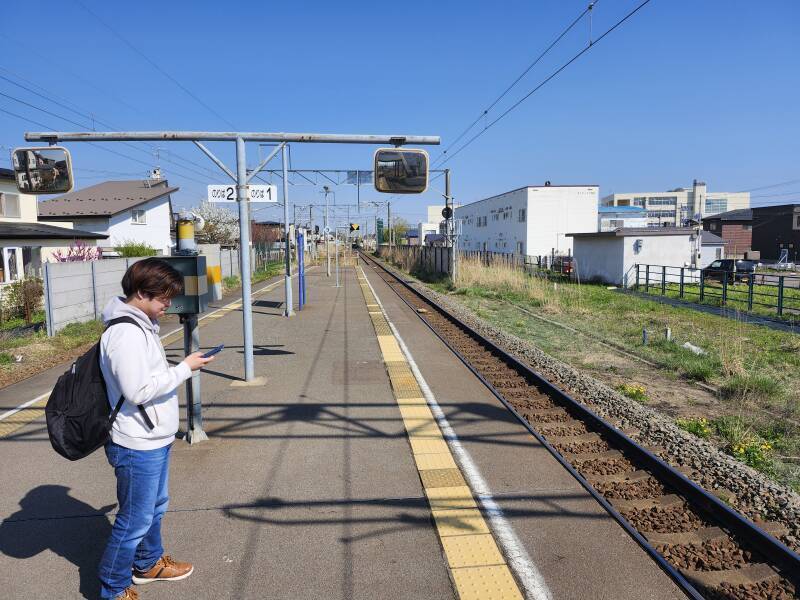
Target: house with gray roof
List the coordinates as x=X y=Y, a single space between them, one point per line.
x=25 y=242
x=137 y=210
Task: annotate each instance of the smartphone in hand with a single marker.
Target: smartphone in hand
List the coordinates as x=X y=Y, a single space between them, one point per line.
x=213 y=351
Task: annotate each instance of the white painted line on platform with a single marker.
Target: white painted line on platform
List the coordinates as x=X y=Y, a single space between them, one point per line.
x=14 y=411
x=519 y=561
x=266 y=288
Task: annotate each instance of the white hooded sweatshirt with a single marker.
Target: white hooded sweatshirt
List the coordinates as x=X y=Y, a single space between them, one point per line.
x=134 y=366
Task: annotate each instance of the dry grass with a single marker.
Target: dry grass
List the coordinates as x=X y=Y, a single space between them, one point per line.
x=550 y=296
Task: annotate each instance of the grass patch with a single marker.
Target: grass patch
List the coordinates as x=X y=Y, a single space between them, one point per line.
x=230 y=283
x=754 y=387
x=746 y=444
x=6 y=359
x=78 y=334
x=269 y=271
x=37 y=317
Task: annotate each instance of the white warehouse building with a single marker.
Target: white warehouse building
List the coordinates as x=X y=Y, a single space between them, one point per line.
x=532 y=220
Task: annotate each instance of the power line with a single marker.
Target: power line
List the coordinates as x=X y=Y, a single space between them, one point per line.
x=773 y=185
x=155 y=65
x=99 y=146
x=519 y=78
x=545 y=81
x=94 y=119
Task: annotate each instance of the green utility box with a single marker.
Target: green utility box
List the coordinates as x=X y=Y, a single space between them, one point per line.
x=194 y=299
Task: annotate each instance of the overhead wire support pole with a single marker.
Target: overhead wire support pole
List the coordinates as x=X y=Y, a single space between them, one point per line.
x=244 y=258
x=215 y=160
x=287 y=279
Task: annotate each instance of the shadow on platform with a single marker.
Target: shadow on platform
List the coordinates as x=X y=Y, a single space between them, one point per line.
x=50 y=519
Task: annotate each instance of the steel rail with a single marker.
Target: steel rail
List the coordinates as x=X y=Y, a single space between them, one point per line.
x=777 y=554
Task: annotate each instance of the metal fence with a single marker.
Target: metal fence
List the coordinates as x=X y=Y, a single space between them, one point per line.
x=430 y=259
x=760 y=293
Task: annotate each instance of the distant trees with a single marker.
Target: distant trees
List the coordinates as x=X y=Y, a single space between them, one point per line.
x=222 y=226
x=78 y=252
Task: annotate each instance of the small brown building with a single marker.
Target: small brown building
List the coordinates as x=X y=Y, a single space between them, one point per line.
x=266 y=232
x=735 y=227
x=777 y=228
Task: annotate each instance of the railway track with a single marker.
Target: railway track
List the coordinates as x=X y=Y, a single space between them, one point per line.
x=707 y=548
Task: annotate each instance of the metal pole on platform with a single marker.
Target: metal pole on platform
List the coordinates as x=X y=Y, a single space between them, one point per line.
x=287 y=278
x=244 y=257
x=336 y=249
x=194 y=417
x=326 y=233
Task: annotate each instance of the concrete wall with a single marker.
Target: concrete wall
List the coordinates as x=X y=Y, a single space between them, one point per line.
x=666 y=250
x=554 y=212
x=600 y=259
x=708 y=254
x=78 y=291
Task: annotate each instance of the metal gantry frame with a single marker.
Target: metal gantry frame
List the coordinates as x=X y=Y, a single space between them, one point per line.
x=241 y=178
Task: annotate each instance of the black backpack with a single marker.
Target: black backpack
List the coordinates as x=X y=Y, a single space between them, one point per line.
x=79 y=418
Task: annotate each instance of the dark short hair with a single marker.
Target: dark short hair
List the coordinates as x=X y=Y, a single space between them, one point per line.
x=154 y=278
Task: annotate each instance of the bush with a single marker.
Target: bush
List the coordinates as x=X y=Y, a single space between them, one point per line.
x=230 y=282
x=131 y=248
x=22 y=299
x=634 y=391
x=6 y=359
x=697 y=426
x=744 y=444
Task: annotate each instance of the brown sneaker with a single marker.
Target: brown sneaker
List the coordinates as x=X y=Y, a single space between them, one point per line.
x=166 y=569
x=128 y=594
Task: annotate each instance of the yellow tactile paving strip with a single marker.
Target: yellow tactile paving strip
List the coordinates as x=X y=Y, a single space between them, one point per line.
x=477 y=568
x=36 y=411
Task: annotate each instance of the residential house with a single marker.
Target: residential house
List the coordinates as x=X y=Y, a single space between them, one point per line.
x=25 y=242
x=777 y=229
x=138 y=210
x=735 y=227
x=712 y=247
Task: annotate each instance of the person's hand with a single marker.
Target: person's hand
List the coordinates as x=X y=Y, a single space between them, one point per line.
x=196 y=360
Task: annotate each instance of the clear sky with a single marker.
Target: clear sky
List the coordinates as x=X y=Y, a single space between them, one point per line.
x=685 y=89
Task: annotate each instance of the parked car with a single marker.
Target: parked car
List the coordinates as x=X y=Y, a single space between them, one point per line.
x=729 y=269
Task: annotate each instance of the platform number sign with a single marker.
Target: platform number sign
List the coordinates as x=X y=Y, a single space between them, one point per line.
x=256 y=193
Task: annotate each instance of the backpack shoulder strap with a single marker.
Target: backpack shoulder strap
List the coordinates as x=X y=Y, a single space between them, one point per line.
x=117 y=408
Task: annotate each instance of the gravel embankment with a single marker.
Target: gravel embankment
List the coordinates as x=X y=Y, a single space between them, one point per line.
x=747 y=490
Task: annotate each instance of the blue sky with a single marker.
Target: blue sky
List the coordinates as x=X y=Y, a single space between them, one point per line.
x=685 y=89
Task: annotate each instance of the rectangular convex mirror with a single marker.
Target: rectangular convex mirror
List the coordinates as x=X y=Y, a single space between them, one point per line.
x=401 y=171
x=46 y=170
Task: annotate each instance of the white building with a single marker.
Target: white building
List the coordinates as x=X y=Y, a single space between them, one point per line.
x=612 y=256
x=25 y=242
x=676 y=207
x=614 y=217
x=139 y=211
x=533 y=220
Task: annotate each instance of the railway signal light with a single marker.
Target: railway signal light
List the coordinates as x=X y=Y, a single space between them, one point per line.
x=354 y=227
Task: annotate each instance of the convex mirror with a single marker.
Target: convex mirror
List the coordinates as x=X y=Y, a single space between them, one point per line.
x=46 y=170
x=401 y=171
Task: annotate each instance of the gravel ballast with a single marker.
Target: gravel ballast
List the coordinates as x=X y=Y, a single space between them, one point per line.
x=748 y=491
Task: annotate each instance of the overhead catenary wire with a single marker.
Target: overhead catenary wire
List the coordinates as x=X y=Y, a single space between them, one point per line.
x=544 y=82
x=94 y=119
x=154 y=64
x=99 y=146
x=518 y=79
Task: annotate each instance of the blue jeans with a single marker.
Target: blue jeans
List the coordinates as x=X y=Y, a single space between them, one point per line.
x=142 y=497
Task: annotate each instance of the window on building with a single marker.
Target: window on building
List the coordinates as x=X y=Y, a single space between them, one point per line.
x=749 y=227
x=616 y=223
x=796 y=222
x=661 y=214
x=639 y=201
x=663 y=201
x=716 y=205
x=718 y=254
x=506 y=215
x=521 y=215
x=495 y=217
x=520 y=248
x=9 y=205
x=138 y=216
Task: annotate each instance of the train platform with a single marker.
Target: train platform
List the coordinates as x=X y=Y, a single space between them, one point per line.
x=372 y=464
